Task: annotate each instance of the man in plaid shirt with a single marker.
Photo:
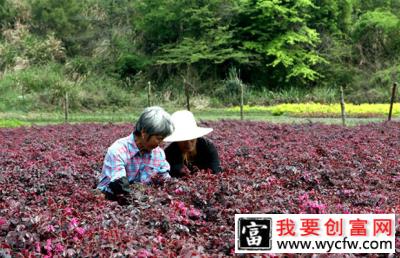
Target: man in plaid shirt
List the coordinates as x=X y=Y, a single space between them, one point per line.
x=137 y=157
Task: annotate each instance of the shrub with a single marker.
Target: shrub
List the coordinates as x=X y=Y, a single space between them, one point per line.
x=230 y=91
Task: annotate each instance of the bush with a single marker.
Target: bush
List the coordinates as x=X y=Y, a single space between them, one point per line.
x=21 y=89
x=229 y=93
x=129 y=65
x=44 y=88
x=103 y=92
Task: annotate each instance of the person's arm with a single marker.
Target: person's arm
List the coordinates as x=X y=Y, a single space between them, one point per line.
x=114 y=170
x=213 y=159
x=157 y=170
x=174 y=158
x=177 y=170
x=164 y=167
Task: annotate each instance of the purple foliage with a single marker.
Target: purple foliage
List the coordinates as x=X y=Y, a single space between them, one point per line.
x=49 y=207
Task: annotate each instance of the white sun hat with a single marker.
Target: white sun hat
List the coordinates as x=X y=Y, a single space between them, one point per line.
x=185 y=127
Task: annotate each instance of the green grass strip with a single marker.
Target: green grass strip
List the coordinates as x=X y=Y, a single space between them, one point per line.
x=15 y=119
x=11 y=123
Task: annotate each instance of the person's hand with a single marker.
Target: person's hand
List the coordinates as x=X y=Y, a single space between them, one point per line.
x=120 y=186
x=123 y=199
x=158 y=179
x=185 y=171
x=195 y=169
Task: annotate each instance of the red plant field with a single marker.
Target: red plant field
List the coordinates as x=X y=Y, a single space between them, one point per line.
x=49 y=207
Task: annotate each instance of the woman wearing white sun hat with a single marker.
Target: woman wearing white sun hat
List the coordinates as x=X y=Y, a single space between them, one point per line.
x=189 y=148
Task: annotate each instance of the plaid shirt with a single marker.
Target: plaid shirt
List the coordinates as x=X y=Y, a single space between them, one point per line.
x=123 y=159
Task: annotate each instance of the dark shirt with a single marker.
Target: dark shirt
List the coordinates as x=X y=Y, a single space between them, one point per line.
x=206 y=157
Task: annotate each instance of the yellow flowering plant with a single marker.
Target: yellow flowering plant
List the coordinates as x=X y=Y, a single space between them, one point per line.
x=323 y=110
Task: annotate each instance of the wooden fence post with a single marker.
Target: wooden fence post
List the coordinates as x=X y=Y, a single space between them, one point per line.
x=66 y=104
x=241 y=100
x=149 y=93
x=342 y=106
x=186 y=83
x=392 y=100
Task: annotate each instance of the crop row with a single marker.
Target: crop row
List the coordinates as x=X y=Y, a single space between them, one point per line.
x=49 y=207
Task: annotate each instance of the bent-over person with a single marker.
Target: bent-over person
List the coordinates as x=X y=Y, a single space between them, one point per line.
x=189 y=148
x=137 y=157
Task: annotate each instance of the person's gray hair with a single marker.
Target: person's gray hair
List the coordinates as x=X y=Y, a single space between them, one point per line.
x=154 y=121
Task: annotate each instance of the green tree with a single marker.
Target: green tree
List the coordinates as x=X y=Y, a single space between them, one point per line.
x=277 y=32
x=362 y=6
x=376 y=36
x=333 y=21
x=215 y=46
x=64 y=18
x=189 y=36
x=331 y=17
x=7 y=13
x=12 y=12
x=158 y=22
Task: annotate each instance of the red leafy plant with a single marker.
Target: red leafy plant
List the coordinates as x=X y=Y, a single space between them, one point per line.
x=49 y=205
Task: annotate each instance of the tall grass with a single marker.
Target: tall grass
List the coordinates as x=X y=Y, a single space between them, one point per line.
x=292 y=95
x=43 y=89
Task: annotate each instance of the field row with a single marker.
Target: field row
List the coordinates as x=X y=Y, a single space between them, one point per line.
x=48 y=205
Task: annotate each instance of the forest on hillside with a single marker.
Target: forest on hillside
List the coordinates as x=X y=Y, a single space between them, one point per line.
x=105 y=53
